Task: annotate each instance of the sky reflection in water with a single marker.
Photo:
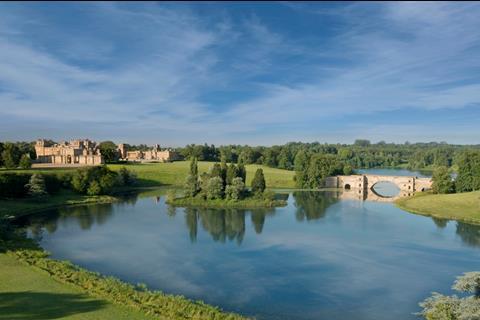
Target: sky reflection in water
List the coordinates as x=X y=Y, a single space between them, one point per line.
x=318 y=258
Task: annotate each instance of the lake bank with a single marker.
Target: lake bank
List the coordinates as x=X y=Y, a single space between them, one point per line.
x=458 y=206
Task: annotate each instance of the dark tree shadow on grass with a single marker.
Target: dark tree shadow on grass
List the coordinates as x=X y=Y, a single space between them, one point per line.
x=28 y=305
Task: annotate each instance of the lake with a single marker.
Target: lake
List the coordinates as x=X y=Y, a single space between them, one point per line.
x=320 y=257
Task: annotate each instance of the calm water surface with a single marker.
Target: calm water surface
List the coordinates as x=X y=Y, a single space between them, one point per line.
x=318 y=258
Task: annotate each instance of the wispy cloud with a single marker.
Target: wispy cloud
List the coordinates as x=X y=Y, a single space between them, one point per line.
x=234 y=74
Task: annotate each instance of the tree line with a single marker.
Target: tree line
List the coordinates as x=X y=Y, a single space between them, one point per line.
x=91 y=181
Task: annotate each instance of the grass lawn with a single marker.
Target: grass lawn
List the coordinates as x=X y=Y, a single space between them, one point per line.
x=460 y=206
x=28 y=293
x=19 y=207
x=174 y=173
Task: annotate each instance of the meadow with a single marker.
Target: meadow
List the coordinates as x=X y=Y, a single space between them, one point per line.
x=459 y=206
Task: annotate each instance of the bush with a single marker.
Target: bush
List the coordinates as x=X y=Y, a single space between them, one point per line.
x=191 y=186
x=12 y=185
x=215 y=188
x=25 y=162
x=440 y=307
x=103 y=180
x=36 y=186
x=127 y=177
x=236 y=190
x=94 y=188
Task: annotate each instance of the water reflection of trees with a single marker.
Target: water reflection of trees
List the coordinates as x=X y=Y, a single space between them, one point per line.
x=85 y=216
x=469 y=233
x=223 y=224
x=312 y=205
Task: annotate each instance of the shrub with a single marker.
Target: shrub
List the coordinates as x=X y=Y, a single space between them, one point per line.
x=94 y=188
x=440 y=307
x=103 y=180
x=12 y=185
x=215 y=188
x=191 y=186
x=36 y=186
x=127 y=177
x=236 y=190
x=25 y=162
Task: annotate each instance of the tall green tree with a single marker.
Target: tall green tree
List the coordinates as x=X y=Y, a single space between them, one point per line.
x=258 y=182
x=10 y=155
x=468 y=178
x=109 y=151
x=442 y=181
x=232 y=173
x=194 y=167
x=25 y=162
x=242 y=172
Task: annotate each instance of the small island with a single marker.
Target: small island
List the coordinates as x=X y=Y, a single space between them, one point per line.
x=224 y=187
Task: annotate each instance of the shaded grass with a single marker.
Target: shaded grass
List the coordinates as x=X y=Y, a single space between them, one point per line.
x=28 y=293
x=460 y=206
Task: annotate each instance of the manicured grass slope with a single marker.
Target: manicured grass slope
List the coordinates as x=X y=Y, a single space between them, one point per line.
x=174 y=173
x=29 y=293
x=460 y=206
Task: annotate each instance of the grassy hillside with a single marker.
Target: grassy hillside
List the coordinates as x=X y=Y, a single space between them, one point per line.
x=459 y=206
x=30 y=293
x=174 y=173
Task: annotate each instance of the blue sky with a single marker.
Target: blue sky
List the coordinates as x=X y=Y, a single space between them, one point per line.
x=247 y=73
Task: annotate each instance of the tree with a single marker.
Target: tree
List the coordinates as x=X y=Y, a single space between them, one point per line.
x=468 y=178
x=232 y=173
x=10 y=155
x=191 y=186
x=347 y=170
x=94 y=189
x=300 y=164
x=109 y=151
x=236 y=190
x=127 y=177
x=362 y=143
x=242 y=172
x=442 y=181
x=215 y=188
x=319 y=168
x=258 y=182
x=194 y=167
x=36 y=186
x=25 y=162
x=440 y=307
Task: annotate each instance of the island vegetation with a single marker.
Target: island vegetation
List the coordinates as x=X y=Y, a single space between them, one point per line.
x=224 y=187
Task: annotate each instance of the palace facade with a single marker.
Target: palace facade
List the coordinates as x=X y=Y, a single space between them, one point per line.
x=154 y=154
x=75 y=152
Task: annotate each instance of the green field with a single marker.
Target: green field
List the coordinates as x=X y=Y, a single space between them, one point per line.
x=174 y=173
x=28 y=293
x=460 y=206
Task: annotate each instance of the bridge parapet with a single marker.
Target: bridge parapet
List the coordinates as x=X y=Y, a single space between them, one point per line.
x=365 y=182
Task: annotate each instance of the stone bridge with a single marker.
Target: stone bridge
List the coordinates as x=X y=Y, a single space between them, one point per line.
x=364 y=183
